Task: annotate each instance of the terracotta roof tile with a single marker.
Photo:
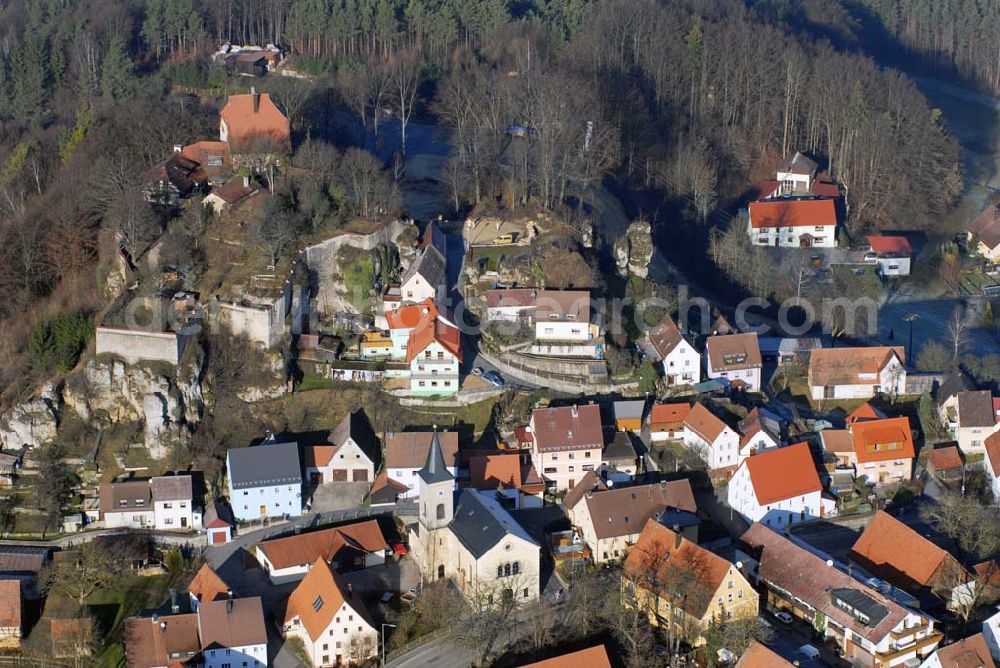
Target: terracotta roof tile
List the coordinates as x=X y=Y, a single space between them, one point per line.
x=792 y=213
x=733 y=352
x=450 y=338
x=986 y=226
x=864 y=412
x=324 y=586
x=992 y=447
x=975 y=409
x=837 y=440
x=10 y=603
x=669 y=416
x=760 y=656
x=946 y=457
x=324 y=544
x=882 y=244
x=489 y=471
x=660 y=553
x=844 y=366
x=704 y=423
x=149 y=643
x=782 y=473
x=235 y=622
x=411 y=315
x=971 y=652
x=665 y=337
x=883 y=440
x=590 y=482
x=511 y=298
x=592 y=657
x=249 y=119
x=898 y=554
x=207 y=585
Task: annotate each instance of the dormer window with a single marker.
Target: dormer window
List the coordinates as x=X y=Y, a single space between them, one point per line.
x=318 y=603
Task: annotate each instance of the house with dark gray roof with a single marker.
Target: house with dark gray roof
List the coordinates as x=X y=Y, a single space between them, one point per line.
x=425 y=277
x=973 y=420
x=265 y=481
x=475 y=541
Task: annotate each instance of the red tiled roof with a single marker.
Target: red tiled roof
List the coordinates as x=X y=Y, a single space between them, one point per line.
x=864 y=412
x=881 y=244
x=408 y=449
x=592 y=657
x=10 y=603
x=986 y=226
x=946 y=458
x=760 y=656
x=824 y=189
x=971 y=652
x=324 y=586
x=207 y=585
x=666 y=416
x=882 y=440
x=318 y=456
x=511 y=298
x=792 y=213
x=623 y=511
x=843 y=366
x=325 y=544
x=992 y=446
x=450 y=338
x=895 y=552
x=567 y=427
x=665 y=337
x=412 y=315
x=765 y=189
x=733 y=352
x=248 y=120
x=782 y=473
x=704 y=423
x=658 y=555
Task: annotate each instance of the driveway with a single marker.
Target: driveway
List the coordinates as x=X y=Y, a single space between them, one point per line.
x=339 y=496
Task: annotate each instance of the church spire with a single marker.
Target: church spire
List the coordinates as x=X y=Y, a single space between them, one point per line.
x=435 y=470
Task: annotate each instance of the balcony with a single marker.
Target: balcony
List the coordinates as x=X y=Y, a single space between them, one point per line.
x=897 y=650
x=908 y=632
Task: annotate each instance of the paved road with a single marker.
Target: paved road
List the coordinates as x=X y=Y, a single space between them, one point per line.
x=439 y=653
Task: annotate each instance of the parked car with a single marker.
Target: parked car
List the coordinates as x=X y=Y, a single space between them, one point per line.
x=809 y=651
x=783 y=617
x=493 y=378
x=871 y=256
x=478 y=371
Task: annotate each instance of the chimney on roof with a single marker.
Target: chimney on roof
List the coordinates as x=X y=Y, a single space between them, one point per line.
x=178 y=148
x=350 y=588
x=576 y=410
x=229 y=606
x=246 y=181
x=175 y=607
x=256 y=99
x=163 y=626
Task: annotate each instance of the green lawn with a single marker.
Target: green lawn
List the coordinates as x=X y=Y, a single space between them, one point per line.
x=111 y=607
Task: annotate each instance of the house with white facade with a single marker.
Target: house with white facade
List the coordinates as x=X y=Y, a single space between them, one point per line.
x=163 y=502
x=434 y=353
x=793 y=223
x=563 y=316
x=265 y=481
x=566 y=442
x=427 y=275
x=667 y=346
x=406 y=452
x=984 y=233
x=401 y=322
x=856 y=373
x=511 y=304
x=779 y=487
x=349 y=547
x=232 y=633
x=892 y=255
x=757 y=438
x=735 y=359
x=330 y=619
x=353 y=453
x=711 y=437
x=972 y=418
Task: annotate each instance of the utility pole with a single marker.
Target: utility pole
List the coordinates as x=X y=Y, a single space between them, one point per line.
x=909 y=318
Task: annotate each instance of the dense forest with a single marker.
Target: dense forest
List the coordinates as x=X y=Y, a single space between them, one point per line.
x=688 y=102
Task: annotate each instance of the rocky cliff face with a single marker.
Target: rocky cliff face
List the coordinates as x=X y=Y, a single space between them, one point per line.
x=167 y=402
x=633 y=251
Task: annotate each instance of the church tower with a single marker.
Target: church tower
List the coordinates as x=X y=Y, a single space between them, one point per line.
x=436 y=489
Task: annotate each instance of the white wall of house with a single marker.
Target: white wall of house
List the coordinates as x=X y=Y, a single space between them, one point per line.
x=970 y=439
x=891 y=379
x=793 y=182
x=416 y=289
x=508 y=313
x=749 y=376
x=434 y=371
x=823 y=236
x=742 y=498
x=566 y=467
x=399 y=336
x=562 y=330
x=723 y=452
x=334 y=645
x=176 y=515
x=132 y=519
x=761 y=441
x=893 y=266
x=683 y=365
x=480 y=578
x=351 y=458
x=268 y=501
x=254 y=656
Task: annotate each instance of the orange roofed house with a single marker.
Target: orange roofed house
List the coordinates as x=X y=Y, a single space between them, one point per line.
x=330 y=619
x=510 y=474
x=779 y=487
x=856 y=373
x=253 y=123
x=673 y=580
x=666 y=421
x=902 y=557
x=358 y=545
x=592 y=657
x=793 y=223
x=883 y=449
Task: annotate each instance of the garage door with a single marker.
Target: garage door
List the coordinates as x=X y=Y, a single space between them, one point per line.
x=338 y=475
x=360 y=475
x=218 y=537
